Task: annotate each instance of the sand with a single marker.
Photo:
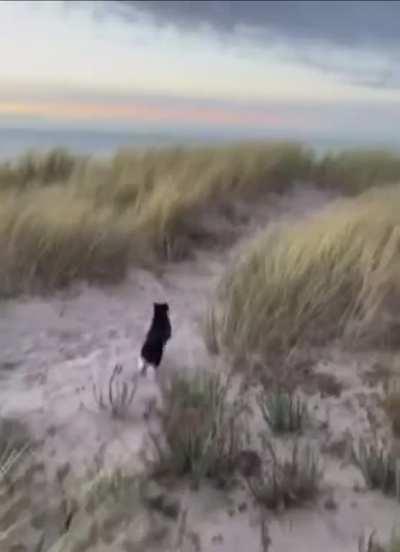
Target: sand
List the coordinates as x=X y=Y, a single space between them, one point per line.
x=55 y=349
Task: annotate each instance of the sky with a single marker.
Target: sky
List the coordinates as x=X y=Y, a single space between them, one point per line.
x=327 y=68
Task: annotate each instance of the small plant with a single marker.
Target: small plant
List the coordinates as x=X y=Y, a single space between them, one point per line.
x=392 y=408
x=391 y=405
x=9 y=457
x=394 y=544
x=210 y=332
x=116 y=486
x=202 y=430
x=380 y=467
x=119 y=396
x=283 y=411
x=265 y=539
x=289 y=482
x=113 y=501
x=371 y=545
x=14 y=443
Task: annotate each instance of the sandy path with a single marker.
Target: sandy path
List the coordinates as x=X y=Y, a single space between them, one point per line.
x=52 y=349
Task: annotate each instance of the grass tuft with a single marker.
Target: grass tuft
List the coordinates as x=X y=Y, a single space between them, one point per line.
x=394 y=543
x=283 y=411
x=354 y=171
x=209 y=329
x=14 y=444
x=119 y=395
x=380 y=468
x=113 y=487
x=34 y=170
x=370 y=544
x=287 y=482
x=391 y=405
x=202 y=429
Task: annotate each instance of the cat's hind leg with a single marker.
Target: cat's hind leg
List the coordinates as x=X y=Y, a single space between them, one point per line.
x=142 y=366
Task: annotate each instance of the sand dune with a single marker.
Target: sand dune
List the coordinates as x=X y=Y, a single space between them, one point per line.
x=54 y=349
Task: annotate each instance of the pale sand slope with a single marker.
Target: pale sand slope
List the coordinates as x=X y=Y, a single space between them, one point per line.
x=52 y=350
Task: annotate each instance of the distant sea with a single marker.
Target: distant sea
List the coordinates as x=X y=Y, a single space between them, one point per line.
x=15 y=141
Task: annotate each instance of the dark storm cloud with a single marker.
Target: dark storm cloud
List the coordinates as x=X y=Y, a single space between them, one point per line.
x=319 y=34
x=337 y=22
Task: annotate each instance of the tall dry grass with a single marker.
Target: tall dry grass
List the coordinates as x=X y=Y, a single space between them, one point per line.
x=354 y=171
x=36 y=170
x=64 y=217
x=337 y=274
x=49 y=237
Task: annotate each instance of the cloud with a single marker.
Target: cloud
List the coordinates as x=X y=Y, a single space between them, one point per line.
x=349 y=23
x=358 y=41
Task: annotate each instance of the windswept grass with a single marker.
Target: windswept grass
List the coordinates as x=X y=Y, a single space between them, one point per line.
x=34 y=170
x=97 y=512
x=49 y=238
x=354 y=171
x=14 y=444
x=64 y=217
x=334 y=275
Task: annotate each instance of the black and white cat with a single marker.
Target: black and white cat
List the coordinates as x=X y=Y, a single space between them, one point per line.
x=157 y=336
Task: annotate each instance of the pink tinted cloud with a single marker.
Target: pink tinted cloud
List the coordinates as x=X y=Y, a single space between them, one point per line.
x=140 y=111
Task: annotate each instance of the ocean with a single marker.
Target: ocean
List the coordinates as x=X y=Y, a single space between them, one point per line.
x=15 y=141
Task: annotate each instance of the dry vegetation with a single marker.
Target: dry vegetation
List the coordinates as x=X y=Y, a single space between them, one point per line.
x=370 y=544
x=118 y=395
x=283 y=412
x=203 y=432
x=287 y=482
x=394 y=544
x=334 y=275
x=202 y=437
x=380 y=467
x=352 y=172
x=14 y=444
x=391 y=404
x=96 y=512
x=64 y=217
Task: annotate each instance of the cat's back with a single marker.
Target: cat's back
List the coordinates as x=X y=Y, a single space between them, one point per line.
x=160 y=328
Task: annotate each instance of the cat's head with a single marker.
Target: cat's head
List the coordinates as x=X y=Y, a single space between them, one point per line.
x=161 y=308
